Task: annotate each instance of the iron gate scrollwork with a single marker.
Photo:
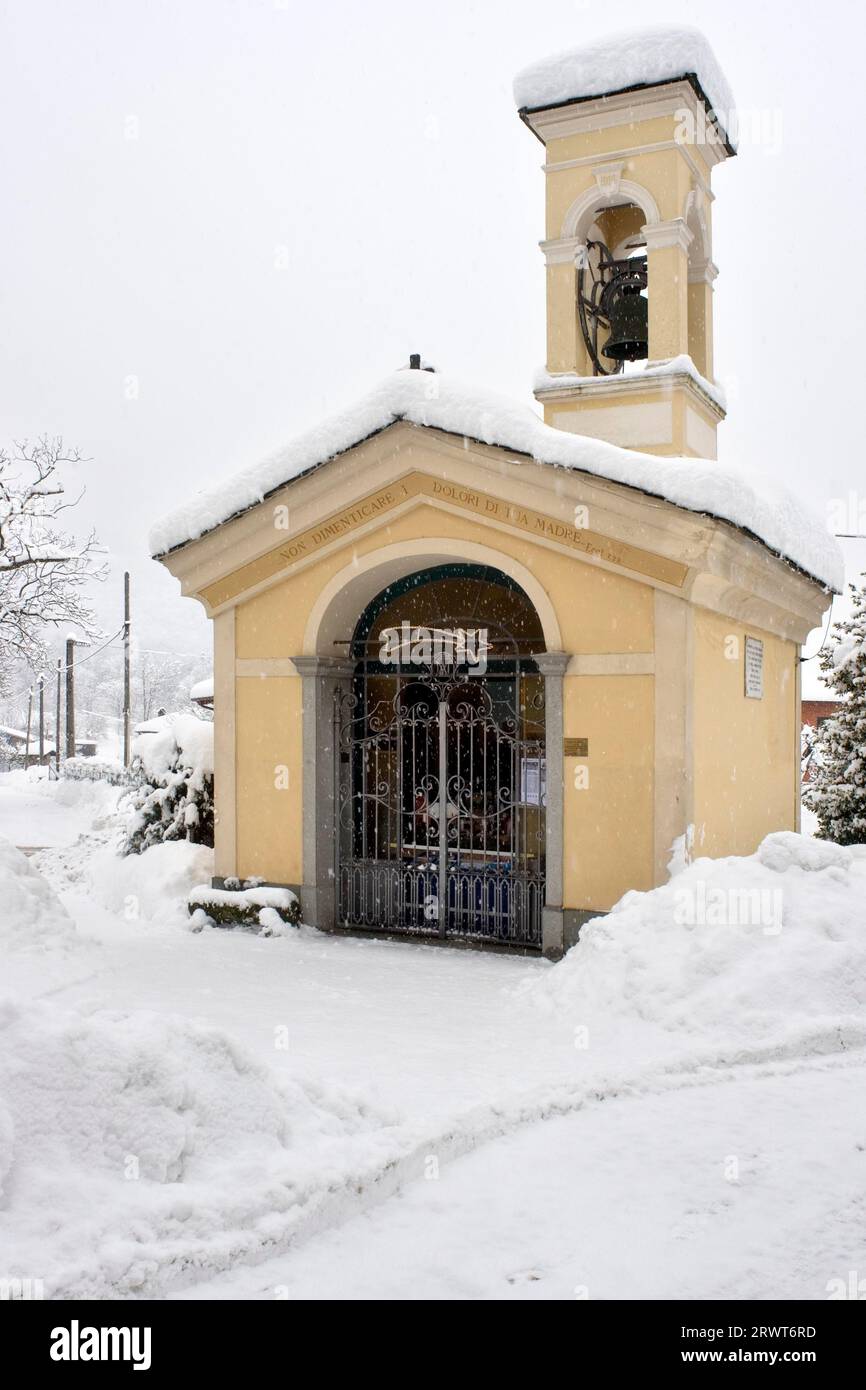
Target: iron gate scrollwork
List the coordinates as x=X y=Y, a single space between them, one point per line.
x=440 y=802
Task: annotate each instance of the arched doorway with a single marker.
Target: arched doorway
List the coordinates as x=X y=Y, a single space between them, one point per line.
x=441 y=776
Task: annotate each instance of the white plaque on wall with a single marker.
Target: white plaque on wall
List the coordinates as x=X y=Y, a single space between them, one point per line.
x=754 y=668
x=533 y=781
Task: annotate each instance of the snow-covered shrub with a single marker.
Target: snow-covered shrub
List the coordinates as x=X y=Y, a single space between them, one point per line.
x=172 y=765
x=250 y=904
x=837 y=779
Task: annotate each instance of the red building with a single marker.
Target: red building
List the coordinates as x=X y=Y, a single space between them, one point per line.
x=816 y=711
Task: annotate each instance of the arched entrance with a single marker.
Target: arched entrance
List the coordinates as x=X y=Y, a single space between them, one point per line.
x=440 y=769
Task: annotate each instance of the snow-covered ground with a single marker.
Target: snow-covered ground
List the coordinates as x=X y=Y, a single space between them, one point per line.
x=676 y=1110
x=36 y=811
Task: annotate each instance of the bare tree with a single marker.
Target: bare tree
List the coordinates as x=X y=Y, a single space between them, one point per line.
x=44 y=571
x=164 y=679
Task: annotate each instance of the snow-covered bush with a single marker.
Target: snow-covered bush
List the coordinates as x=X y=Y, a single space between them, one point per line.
x=837 y=779
x=172 y=765
x=249 y=903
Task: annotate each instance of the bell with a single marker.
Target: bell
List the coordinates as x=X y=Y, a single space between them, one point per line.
x=628 y=314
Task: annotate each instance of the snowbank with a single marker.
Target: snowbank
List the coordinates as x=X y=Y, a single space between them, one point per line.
x=40 y=947
x=151 y=886
x=631 y=59
x=771 y=513
x=738 y=957
x=32 y=917
x=134 y=1147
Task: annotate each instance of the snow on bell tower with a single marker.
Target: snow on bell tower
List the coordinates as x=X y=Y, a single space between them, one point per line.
x=632 y=129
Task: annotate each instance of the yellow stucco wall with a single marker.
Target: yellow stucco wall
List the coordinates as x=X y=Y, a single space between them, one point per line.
x=608 y=829
x=663 y=405
x=608 y=824
x=269 y=820
x=662 y=171
x=745 y=749
x=745 y=772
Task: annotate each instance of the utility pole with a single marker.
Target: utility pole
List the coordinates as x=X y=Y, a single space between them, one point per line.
x=29 y=714
x=41 y=687
x=70 y=697
x=126 y=683
x=57 y=722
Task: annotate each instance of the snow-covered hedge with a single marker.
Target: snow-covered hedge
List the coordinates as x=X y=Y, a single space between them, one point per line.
x=95 y=770
x=249 y=903
x=172 y=765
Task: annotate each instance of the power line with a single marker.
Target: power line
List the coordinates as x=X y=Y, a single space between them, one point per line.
x=66 y=666
x=826 y=631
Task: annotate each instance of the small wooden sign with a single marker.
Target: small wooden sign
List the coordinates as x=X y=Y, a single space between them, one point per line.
x=575 y=747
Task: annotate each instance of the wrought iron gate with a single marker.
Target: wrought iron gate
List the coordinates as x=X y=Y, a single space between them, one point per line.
x=440 y=803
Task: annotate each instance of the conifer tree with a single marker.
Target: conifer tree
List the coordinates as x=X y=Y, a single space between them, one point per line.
x=837 y=791
x=172 y=796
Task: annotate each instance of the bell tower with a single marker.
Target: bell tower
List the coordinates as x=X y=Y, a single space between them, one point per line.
x=632 y=130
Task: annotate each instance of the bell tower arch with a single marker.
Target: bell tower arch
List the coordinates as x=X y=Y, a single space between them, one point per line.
x=628 y=247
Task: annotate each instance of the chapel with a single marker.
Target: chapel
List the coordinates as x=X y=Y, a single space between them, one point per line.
x=482 y=666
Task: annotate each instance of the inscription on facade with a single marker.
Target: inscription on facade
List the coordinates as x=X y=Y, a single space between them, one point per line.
x=575 y=747
x=308 y=543
x=754 y=668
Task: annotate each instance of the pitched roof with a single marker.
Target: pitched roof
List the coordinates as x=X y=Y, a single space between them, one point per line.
x=763 y=508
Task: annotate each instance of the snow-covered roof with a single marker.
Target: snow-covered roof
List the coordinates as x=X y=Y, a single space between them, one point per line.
x=7 y=732
x=636 y=58
x=202 y=690
x=764 y=508
x=152 y=726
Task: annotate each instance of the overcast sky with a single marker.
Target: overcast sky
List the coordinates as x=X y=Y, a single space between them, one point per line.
x=247 y=211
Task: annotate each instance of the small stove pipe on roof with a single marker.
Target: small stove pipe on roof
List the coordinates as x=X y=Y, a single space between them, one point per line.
x=415 y=363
